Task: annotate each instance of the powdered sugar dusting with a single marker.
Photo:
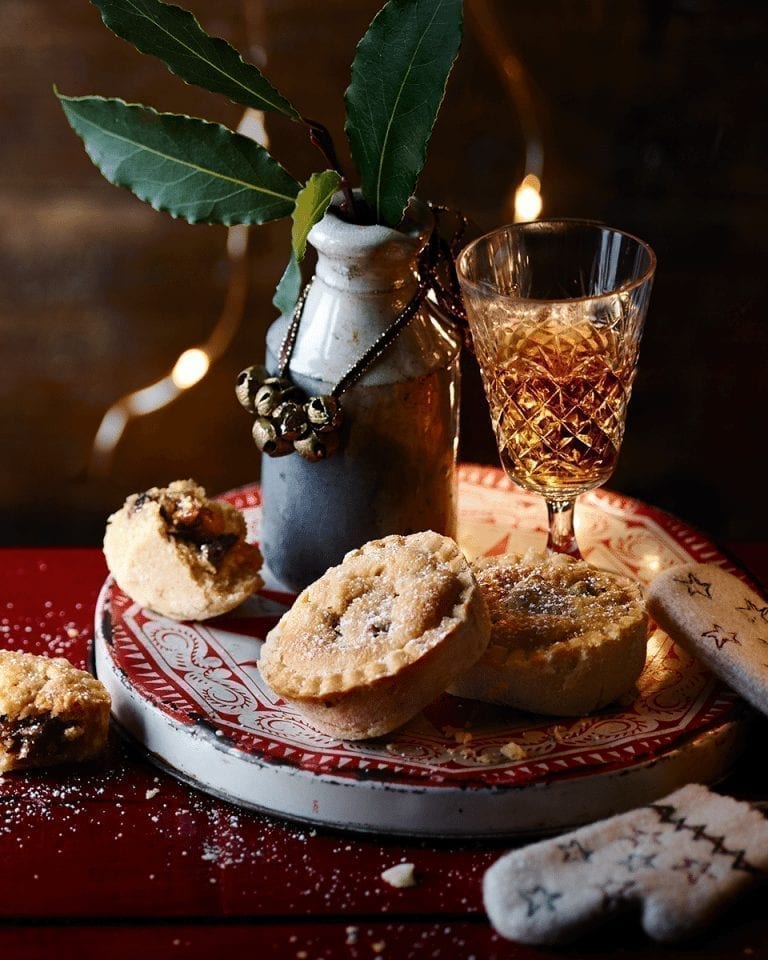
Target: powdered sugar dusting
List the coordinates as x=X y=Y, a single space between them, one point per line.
x=54 y=628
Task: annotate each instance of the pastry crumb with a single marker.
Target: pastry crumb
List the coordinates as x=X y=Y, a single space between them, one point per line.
x=458 y=734
x=401 y=875
x=513 y=751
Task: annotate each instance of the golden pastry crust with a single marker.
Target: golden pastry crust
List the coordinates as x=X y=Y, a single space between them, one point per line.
x=50 y=712
x=566 y=637
x=375 y=639
x=185 y=556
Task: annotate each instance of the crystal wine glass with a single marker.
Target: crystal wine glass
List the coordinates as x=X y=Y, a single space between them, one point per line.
x=556 y=310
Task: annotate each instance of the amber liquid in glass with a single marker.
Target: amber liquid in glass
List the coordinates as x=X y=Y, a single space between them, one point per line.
x=558 y=391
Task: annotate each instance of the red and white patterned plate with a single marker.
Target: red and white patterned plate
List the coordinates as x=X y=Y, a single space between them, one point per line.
x=191 y=694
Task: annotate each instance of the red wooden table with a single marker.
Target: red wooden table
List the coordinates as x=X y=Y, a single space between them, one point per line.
x=116 y=858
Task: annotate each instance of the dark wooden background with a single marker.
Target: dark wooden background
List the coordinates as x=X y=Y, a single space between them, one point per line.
x=651 y=115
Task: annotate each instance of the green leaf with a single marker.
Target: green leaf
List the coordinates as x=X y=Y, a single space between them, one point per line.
x=189 y=168
x=288 y=289
x=312 y=202
x=175 y=36
x=399 y=75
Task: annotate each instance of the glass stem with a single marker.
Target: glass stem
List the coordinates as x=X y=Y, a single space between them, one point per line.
x=561 y=538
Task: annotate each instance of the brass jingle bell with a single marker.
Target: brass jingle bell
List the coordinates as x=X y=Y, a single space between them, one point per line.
x=314 y=446
x=273 y=392
x=267 y=440
x=324 y=413
x=247 y=384
x=268 y=397
x=290 y=420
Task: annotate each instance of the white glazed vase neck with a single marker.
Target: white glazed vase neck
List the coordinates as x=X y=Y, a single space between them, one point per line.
x=365 y=275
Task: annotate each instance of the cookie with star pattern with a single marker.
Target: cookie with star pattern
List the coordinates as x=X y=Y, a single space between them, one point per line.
x=677 y=862
x=719 y=619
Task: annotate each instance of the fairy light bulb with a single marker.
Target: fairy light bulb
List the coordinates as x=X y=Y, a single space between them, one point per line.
x=190 y=368
x=528 y=201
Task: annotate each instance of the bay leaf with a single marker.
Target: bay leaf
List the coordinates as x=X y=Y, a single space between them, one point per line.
x=288 y=289
x=399 y=75
x=192 y=169
x=311 y=203
x=175 y=36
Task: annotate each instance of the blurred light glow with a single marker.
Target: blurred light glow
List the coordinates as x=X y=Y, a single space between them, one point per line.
x=652 y=562
x=190 y=368
x=252 y=124
x=528 y=202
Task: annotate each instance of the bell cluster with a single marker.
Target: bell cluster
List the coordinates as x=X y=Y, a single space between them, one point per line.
x=286 y=420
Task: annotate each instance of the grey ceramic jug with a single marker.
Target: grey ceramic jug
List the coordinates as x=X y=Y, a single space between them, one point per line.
x=395 y=470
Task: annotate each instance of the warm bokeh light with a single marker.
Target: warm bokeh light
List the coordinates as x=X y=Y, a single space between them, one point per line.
x=652 y=562
x=190 y=368
x=528 y=201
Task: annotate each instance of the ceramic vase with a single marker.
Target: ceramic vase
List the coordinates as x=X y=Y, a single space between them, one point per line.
x=395 y=469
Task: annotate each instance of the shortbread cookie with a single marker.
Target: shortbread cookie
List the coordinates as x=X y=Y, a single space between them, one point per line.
x=180 y=554
x=720 y=620
x=50 y=712
x=375 y=639
x=566 y=638
x=677 y=862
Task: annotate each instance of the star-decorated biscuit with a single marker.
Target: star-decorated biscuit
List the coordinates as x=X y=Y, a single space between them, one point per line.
x=719 y=619
x=680 y=861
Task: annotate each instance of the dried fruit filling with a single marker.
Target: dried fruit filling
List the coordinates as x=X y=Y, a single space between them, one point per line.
x=35 y=740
